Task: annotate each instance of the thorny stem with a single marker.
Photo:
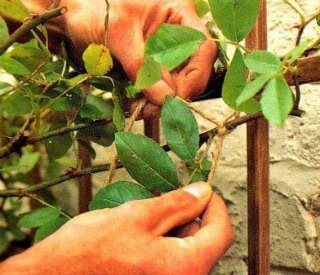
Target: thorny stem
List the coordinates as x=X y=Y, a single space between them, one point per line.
x=21 y=84
x=107 y=23
x=304 y=24
x=61 y=131
x=47 y=184
x=30 y=24
x=204 y=137
x=128 y=128
x=6 y=149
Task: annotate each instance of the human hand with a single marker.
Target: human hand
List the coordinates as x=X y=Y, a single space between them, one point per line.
x=130 y=24
x=133 y=238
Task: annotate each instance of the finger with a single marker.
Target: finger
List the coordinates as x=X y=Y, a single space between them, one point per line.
x=187 y=230
x=216 y=234
x=178 y=207
x=131 y=58
x=194 y=77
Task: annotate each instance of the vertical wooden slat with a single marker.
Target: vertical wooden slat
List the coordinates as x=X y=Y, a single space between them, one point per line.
x=258 y=171
x=84 y=182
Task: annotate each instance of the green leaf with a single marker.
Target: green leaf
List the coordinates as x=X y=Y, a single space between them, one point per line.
x=149 y=74
x=171 y=45
x=13 y=66
x=131 y=91
x=102 y=135
x=4 y=31
x=75 y=80
x=4 y=88
x=202 y=172
x=180 y=129
x=147 y=162
x=49 y=228
x=202 y=7
x=39 y=217
x=18 y=104
x=234 y=83
x=96 y=108
x=263 y=62
x=4 y=240
x=117 y=194
x=14 y=9
x=318 y=20
x=68 y=161
x=235 y=18
x=59 y=145
x=253 y=88
x=25 y=165
x=12 y=221
x=97 y=60
x=277 y=101
x=299 y=50
x=119 y=118
x=29 y=55
x=67 y=102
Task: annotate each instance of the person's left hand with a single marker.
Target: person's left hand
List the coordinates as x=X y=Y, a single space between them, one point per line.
x=133 y=238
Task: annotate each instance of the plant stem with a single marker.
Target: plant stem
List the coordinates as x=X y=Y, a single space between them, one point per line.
x=29 y=25
x=64 y=93
x=24 y=141
x=204 y=137
x=6 y=149
x=304 y=24
x=43 y=202
x=128 y=128
x=20 y=84
x=229 y=42
x=295 y=9
x=47 y=184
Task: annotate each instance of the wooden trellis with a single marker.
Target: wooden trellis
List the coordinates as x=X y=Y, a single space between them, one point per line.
x=257 y=158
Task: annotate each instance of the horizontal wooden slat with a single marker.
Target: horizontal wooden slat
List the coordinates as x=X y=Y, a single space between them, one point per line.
x=308 y=70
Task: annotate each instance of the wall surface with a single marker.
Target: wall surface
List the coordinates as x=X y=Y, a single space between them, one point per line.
x=295 y=173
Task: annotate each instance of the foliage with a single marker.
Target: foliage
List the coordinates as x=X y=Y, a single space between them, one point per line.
x=46 y=86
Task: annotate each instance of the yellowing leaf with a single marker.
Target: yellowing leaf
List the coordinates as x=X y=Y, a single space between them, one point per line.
x=14 y=9
x=97 y=60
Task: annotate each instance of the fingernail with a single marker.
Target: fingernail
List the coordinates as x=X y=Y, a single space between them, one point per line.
x=199 y=189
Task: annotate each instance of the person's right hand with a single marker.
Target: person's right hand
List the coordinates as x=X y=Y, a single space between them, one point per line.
x=133 y=238
x=130 y=24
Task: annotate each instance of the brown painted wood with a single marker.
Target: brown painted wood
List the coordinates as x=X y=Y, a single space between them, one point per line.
x=84 y=182
x=258 y=171
x=308 y=70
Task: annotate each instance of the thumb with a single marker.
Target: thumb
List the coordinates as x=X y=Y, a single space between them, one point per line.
x=179 y=207
x=131 y=58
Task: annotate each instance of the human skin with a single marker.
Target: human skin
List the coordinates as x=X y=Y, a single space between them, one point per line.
x=131 y=22
x=133 y=238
